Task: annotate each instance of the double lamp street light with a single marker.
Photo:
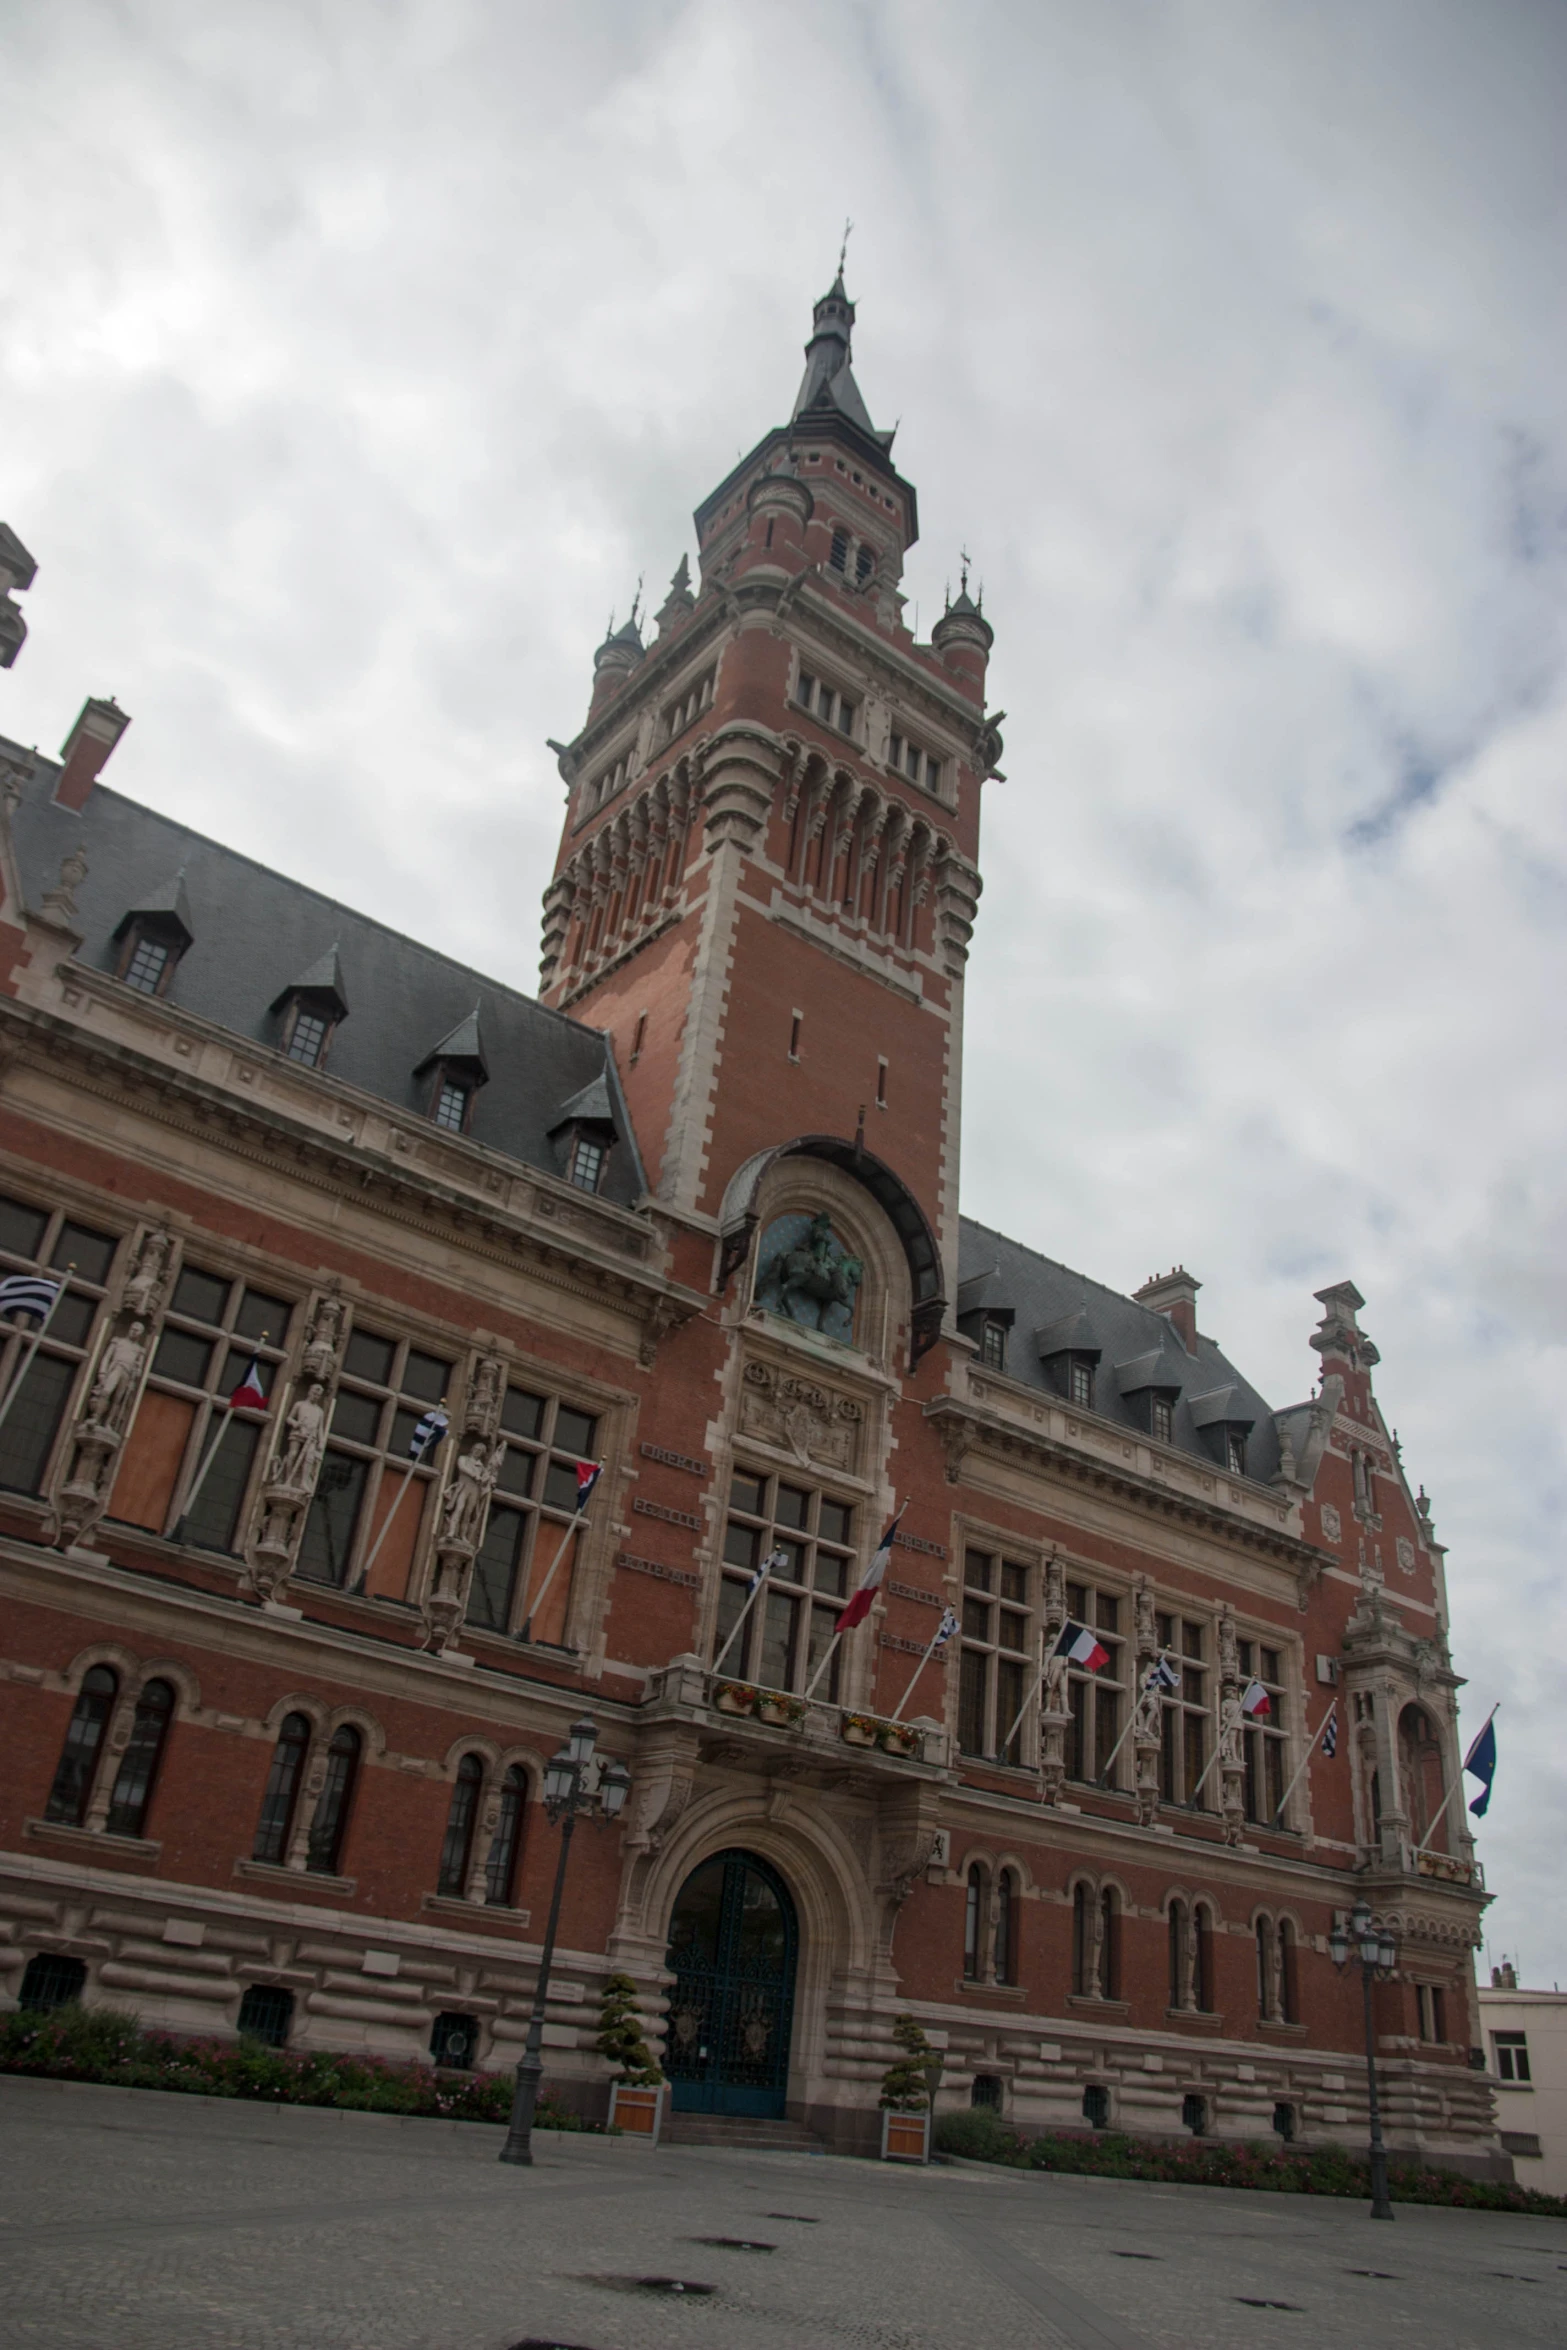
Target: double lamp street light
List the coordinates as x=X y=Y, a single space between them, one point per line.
x=576 y=1782
x=1377 y=1951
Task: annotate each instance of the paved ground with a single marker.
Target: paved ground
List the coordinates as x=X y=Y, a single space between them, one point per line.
x=134 y=2221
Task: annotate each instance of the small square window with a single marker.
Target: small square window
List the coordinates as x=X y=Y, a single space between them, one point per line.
x=202 y=1296
x=575 y=1432
x=307 y=1037
x=522 y=1414
x=745 y=1493
x=587 y=1164
x=149 y=961
x=369 y=1358
x=834 y=1521
x=451 y=1105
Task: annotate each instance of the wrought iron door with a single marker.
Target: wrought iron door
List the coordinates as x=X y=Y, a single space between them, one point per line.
x=732 y=1948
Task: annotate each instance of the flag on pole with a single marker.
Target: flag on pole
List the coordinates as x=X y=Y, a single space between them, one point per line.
x=944 y=1631
x=250 y=1395
x=1078 y=1645
x=859 y=1606
x=1256 y=1704
x=431 y=1428
x=28 y=1293
x=1480 y=1763
x=1330 y=1732
x=774 y=1558
x=588 y=1475
x=1164 y=1677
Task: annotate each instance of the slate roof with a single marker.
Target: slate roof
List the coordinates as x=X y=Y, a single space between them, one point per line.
x=254 y=931
x=1072 y=1311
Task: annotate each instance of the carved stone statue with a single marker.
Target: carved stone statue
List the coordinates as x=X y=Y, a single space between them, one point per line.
x=484 y=1400
x=118 y=1378
x=808 y=1276
x=467 y=1497
x=1231 y=1722
x=145 y=1286
x=59 y=905
x=319 y=1359
x=1147 y=1630
x=1229 y=1659
x=1056 y=1698
x=1148 y=1721
x=298 y=1459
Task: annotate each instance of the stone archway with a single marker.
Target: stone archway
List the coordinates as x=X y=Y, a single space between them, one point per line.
x=733 y=1951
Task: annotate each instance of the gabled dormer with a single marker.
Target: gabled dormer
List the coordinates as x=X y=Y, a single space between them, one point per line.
x=1224 y=1419
x=584 y=1134
x=1069 y=1351
x=309 y=1009
x=150 y=938
x=452 y=1075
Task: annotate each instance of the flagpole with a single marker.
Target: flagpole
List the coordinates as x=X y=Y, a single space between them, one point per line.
x=189 y=1503
x=919 y=1668
x=1431 y=1824
x=534 y=1605
x=1039 y=1683
x=417 y=1462
x=1191 y=1800
x=822 y=1667
x=1283 y=1804
x=751 y=1598
x=26 y=1362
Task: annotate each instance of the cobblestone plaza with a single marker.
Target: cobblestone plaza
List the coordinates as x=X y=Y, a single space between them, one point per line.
x=142 y=2222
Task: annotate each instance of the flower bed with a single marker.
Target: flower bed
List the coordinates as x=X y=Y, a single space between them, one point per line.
x=101 y=2044
x=1328 y=2171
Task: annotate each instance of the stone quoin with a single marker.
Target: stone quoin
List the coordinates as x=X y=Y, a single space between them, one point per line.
x=274 y=1743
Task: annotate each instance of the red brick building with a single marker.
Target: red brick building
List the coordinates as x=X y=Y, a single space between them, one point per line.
x=273 y=1745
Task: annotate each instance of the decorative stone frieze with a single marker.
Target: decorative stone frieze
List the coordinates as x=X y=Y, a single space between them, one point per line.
x=819 y=1424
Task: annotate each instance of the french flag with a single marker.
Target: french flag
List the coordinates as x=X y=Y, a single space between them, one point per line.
x=250 y=1395
x=1078 y=1645
x=588 y=1475
x=859 y=1606
x=1256 y=1704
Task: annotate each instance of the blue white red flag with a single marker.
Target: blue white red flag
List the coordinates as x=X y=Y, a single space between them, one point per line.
x=859 y=1606
x=588 y=1475
x=1256 y=1704
x=250 y=1395
x=1078 y=1645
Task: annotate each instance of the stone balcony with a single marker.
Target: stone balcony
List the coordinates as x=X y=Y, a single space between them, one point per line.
x=764 y=1728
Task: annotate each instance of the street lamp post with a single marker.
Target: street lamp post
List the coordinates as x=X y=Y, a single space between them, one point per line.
x=571 y=1787
x=1377 y=1952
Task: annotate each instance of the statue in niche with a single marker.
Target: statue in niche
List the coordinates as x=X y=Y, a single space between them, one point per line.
x=119 y=1376
x=467 y=1497
x=304 y=1440
x=145 y=1283
x=806 y=1275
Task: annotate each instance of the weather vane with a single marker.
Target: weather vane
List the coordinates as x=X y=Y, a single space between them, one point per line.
x=964 y=558
x=843 y=249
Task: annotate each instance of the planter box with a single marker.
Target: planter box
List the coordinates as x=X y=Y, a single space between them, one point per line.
x=731 y=1697
x=905 y=2137
x=858 y=1733
x=782 y=1712
x=639 y=2112
x=895 y=1739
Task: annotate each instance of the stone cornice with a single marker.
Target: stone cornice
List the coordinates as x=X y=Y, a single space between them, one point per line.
x=408 y=1195
x=965 y=1428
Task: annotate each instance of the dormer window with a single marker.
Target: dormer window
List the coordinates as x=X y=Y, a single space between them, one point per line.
x=453 y=1101
x=152 y=937
x=587 y=1163
x=584 y=1134
x=1161 y=1419
x=307 y=1037
x=150 y=965
x=993 y=1344
x=1235 y=1452
x=1080 y=1383
x=1224 y=1421
x=309 y=1010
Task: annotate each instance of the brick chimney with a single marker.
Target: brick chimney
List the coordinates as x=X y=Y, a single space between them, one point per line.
x=86 y=749
x=1174 y=1294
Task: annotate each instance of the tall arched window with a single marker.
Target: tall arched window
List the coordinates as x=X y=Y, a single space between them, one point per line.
x=1289 y=1991
x=500 y=1870
x=282 y=1792
x=457 y=1849
x=1006 y=1926
x=1202 y=1969
x=1081 y=1952
x=1420 y=1761
x=335 y=1801
x=139 y=1763
x=78 y=1762
x=1109 y=1944
x=1177 y=1942
x=973 y=1917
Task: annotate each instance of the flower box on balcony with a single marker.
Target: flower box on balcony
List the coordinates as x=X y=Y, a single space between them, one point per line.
x=734 y=1697
x=773 y=1705
x=898 y=1738
x=859 y=1730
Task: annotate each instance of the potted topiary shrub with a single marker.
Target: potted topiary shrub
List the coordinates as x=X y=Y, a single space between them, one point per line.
x=636 y=2097
x=905 y=2095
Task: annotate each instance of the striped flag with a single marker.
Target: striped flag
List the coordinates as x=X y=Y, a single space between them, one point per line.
x=1256 y=1704
x=588 y=1475
x=28 y=1293
x=774 y=1558
x=1330 y=1732
x=431 y=1428
x=944 y=1631
x=250 y=1395
x=1164 y=1678
x=1078 y=1645
x=859 y=1606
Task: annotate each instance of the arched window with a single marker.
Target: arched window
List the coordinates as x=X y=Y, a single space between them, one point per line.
x=1081 y=1949
x=78 y=1762
x=1006 y=1927
x=1202 y=1969
x=139 y=1763
x=277 y=1804
x=1289 y=1995
x=973 y=1922
x=1177 y=1942
x=1420 y=1761
x=334 y=1803
x=500 y=1870
x=1109 y=1944
x=458 y=1847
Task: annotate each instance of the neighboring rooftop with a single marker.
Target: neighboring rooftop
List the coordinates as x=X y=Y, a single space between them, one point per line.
x=256 y=937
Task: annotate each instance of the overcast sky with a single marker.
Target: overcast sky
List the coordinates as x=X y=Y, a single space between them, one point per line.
x=355 y=361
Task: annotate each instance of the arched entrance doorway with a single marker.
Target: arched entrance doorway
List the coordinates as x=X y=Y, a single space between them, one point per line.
x=733 y=1942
